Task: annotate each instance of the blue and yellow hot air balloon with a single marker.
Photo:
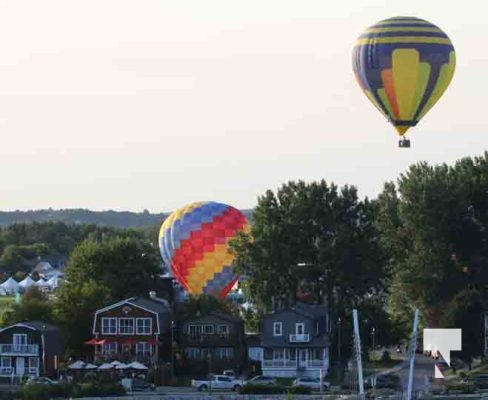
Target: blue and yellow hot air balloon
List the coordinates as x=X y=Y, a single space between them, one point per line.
x=194 y=244
x=404 y=65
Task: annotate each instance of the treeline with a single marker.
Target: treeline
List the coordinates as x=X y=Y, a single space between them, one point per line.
x=117 y=219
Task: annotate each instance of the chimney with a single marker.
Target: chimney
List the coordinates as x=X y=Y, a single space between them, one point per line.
x=152 y=294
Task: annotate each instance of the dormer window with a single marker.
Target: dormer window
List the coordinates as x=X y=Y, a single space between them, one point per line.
x=277 y=328
x=300 y=328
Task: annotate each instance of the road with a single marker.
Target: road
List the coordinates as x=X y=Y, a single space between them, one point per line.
x=424 y=367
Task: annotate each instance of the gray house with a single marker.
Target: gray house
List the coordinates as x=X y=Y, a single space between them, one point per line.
x=213 y=342
x=295 y=341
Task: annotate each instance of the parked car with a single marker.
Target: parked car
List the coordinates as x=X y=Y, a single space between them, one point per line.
x=41 y=379
x=312 y=383
x=230 y=373
x=140 y=385
x=216 y=382
x=261 y=380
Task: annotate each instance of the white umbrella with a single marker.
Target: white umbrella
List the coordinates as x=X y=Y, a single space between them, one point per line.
x=136 y=365
x=90 y=366
x=77 y=365
x=122 y=366
x=116 y=362
x=105 y=366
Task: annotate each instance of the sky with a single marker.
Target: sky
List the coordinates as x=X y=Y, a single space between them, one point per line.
x=133 y=105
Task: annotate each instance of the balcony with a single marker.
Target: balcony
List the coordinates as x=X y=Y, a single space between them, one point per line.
x=8 y=371
x=302 y=338
x=19 y=349
x=209 y=339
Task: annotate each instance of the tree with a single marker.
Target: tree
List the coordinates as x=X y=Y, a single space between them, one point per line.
x=316 y=239
x=100 y=272
x=195 y=306
x=437 y=236
x=34 y=305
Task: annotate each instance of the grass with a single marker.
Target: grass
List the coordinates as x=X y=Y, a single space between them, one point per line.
x=6 y=302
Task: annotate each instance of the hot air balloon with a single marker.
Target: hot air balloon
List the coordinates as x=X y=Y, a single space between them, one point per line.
x=404 y=65
x=194 y=244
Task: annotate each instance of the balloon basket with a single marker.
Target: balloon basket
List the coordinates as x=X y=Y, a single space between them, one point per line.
x=404 y=142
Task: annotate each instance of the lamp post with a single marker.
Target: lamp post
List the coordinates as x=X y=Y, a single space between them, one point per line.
x=374 y=365
x=43 y=349
x=172 y=349
x=339 y=344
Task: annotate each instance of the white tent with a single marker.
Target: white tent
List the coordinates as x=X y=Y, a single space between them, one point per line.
x=53 y=282
x=105 y=366
x=136 y=365
x=10 y=286
x=90 y=366
x=122 y=366
x=27 y=282
x=77 y=365
x=116 y=363
x=42 y=283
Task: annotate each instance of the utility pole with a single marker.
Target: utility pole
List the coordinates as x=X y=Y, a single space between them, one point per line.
x=413 y=349
x=357 y=351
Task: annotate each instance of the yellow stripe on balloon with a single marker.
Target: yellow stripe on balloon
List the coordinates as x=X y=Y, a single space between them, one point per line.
x=384 y=99
x=405 y=66
x=403 y=39
x=205 y=269
x=423 y=80
x=404 y=29
x=393 y=21
x=445 y=76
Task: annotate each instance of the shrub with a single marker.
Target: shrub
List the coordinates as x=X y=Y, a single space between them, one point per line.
x=300 y=390
x=262 y=389
x=93 y=389
x=61 y=390
x=36 y=391
x=386 y=356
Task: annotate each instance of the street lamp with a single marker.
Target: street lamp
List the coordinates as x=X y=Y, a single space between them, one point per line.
x=43 y=349
x=172 y=349
x=339 y=345
x=374 y=365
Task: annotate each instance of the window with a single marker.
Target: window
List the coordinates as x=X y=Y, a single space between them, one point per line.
x=6 y=362
x=109 y=348
x=126 y=326
x=224 y=379
x=224 y=353
x=208 y=329
x=206 y=353
x=19 y=340
x=223 y=329
x=277 y=328
x=192 y=353
x=317 y=354
x=278 y=354
x=195 y=330
x=34 y=362
x=300 y=328
x=143 y=348
x=143 y=326
x=109 y=326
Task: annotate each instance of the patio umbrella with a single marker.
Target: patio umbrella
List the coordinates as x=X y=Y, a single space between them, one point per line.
x=137 y=365
x=77 y=365
x=115 y=363
x=105 y=366
x=122 y=366
x=90 y=366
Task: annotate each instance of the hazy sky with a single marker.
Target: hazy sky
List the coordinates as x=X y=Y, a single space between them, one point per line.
x=112 y=104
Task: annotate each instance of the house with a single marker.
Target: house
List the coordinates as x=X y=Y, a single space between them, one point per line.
x=135 y=329
x=215 y=341
x=295 y=341
x=30 y=348
x=254 y=349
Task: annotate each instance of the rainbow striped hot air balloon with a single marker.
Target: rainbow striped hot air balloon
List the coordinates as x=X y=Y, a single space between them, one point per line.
x=194 y=244
x=404 y=65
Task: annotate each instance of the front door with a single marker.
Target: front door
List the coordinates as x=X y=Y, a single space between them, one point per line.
x=20 y=366
x=19 y=341
x=302 y=358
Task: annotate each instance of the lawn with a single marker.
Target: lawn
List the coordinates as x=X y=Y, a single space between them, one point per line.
x=6 y=301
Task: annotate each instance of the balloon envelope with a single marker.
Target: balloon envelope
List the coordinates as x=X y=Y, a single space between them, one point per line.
x=404 y=65
x=194 y=244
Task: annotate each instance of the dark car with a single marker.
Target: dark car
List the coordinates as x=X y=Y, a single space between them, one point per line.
x=140 y=385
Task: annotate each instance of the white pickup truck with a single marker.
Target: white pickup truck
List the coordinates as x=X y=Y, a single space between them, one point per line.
x=217 y=382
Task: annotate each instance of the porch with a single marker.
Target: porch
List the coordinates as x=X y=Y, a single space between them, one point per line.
x=125 y=350
x=295 y=361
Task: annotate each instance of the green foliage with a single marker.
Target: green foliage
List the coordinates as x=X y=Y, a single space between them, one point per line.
x=36 y=391
x=94 y=389
x=99 y=272
x=34 y=305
